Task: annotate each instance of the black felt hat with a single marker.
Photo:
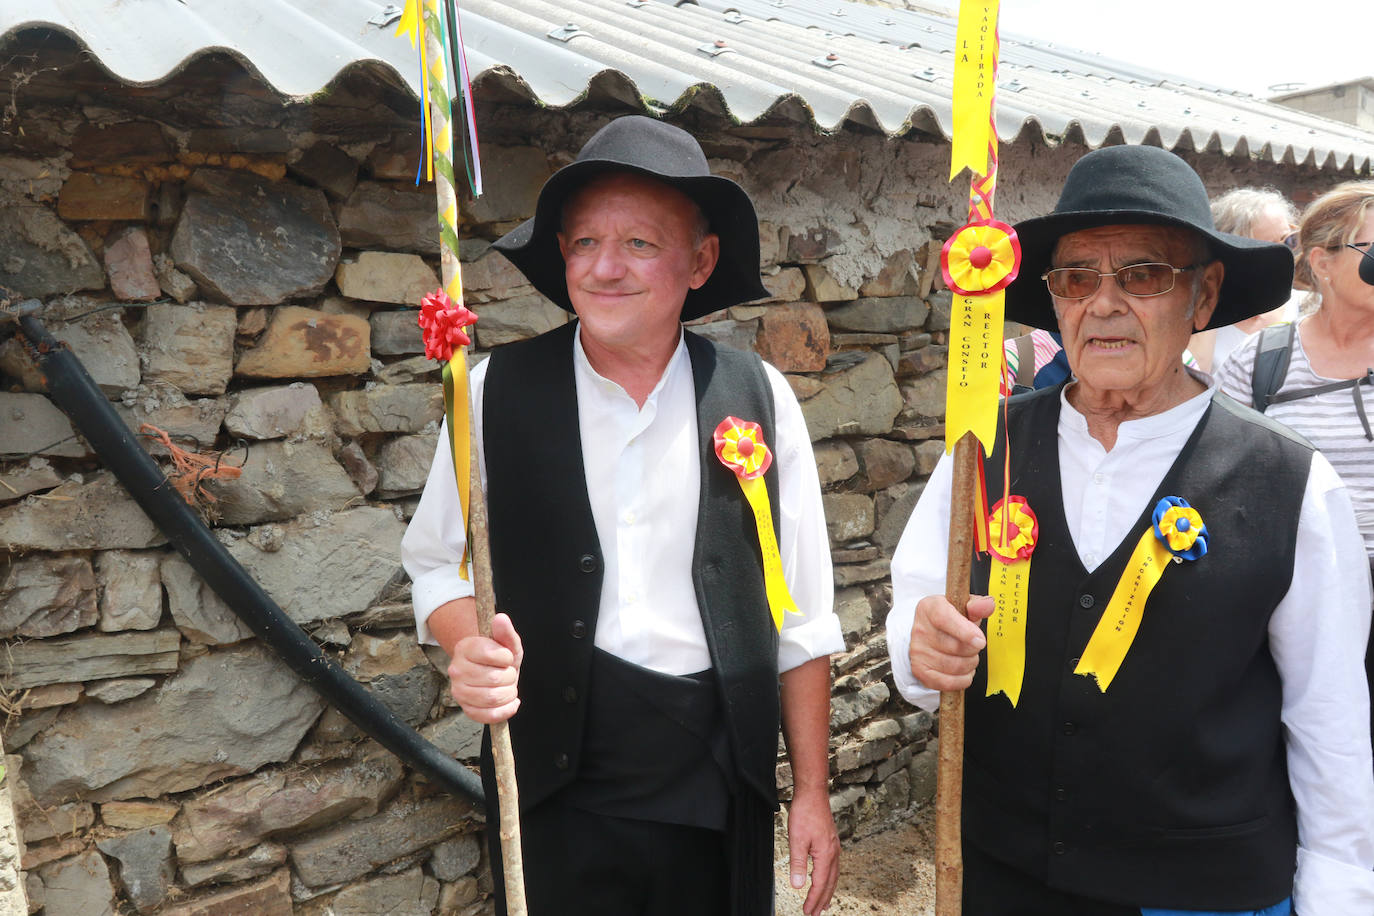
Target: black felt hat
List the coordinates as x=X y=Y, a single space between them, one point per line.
x=647 y=147
x=1126 y=185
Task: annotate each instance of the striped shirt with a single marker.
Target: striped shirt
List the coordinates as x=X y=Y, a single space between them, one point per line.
x=1327 y=420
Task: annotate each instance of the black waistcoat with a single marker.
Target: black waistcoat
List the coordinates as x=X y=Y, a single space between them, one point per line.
x=1171 y=789
x=547 y=560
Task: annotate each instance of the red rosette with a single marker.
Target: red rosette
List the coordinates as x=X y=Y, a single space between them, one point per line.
x=1022 y=530
x=982 y=257
x=442 y=323
x=740 y=447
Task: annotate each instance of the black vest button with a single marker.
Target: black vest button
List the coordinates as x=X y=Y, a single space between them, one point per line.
x=1070 y=728
x=1085 y=601
x=560 y=761
x=587 y=563
x=569 y=694
x=1059 y=848
x=1061 y=793
x=578 y=629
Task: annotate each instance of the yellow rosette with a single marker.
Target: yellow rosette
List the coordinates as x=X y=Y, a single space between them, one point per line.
x=1177 y=534
x=1013 y=531
x=977 y=262
x=740 y=447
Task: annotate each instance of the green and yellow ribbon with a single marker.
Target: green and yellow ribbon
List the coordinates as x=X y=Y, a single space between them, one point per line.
x=740 y=447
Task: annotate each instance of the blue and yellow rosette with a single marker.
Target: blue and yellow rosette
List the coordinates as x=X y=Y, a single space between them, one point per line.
x=1012 y=533
x=977 y=263
x=1177 y=533
x=740 y=447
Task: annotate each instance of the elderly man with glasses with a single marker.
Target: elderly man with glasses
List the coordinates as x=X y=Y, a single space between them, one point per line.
x=1167 y=712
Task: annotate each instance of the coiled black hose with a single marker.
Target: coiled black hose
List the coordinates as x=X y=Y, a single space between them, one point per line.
x=73 y=391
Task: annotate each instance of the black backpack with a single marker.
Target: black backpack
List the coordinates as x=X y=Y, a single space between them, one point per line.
x=1271 y=365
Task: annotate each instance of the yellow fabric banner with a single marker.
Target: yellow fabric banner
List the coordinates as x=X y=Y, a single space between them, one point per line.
x=1115 y=632
x=975 y=366
x=774 y=583
x=1007 y=629
x=975 y=76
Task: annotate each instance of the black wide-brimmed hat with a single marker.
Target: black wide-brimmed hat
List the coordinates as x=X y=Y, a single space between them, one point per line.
x=669 y=154
x=1129 y=185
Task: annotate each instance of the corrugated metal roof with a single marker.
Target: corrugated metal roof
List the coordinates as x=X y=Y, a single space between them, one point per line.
x=823 y=61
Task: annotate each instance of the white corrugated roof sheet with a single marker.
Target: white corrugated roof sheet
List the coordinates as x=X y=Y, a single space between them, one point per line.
x=823 y=61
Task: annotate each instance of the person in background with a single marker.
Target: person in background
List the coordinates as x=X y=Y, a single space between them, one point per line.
x=1256 y=213
x=1217 y=759
x=1317 y=375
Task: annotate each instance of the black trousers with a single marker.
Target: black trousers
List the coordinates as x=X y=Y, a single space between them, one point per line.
x=582 y=864
x=992 y=888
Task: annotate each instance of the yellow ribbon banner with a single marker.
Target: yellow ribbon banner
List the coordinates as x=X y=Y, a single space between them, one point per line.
x=1177 y=534
x=740 y=447
x=975 y=78
x=1013 y=531
x=975 y=367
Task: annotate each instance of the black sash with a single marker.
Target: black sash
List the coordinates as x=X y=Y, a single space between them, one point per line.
x=654 y=747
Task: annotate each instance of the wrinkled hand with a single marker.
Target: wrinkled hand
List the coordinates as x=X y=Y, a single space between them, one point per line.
x=811 y=834
x=945 y=643
x=484 y=673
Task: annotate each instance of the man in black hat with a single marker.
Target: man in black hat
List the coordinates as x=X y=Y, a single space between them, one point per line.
x=639 y=649
x=1186 y=730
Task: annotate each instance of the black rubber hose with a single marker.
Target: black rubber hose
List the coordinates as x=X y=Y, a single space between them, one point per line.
x=72 y=390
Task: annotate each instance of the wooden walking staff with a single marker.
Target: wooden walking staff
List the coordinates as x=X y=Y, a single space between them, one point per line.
x=978 y=262
x=443 y=316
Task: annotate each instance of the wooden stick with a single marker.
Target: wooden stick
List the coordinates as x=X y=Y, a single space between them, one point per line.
x=503 y=756
x=949 y=781
x=508 y=802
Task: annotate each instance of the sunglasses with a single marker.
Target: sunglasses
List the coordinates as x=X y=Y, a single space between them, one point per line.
x=1140 y=280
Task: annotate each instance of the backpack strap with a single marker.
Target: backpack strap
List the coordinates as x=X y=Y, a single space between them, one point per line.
x=1025 y=361
x=1271 y=363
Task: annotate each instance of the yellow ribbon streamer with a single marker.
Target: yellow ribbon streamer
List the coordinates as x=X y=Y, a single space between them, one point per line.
x=409 y=25
x=1115 y=632
x=975 y=70
x=1007 y=629
x=775 y=585
x=975 y=365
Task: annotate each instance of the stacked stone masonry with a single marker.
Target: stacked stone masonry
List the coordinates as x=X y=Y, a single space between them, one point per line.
x=242 y=272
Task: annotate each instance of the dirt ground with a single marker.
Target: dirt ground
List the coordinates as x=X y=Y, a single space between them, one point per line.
x=888 y=874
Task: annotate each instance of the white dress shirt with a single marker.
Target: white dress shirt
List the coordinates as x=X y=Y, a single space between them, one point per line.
x=1317 y=633
x=643 y=479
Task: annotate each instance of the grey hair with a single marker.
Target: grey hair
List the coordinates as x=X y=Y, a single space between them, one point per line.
x=1239 y=209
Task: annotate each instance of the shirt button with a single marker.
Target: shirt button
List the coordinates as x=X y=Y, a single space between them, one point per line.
x=1086 y=601
x=1099 y=478
x=630 y=597
x=587 y=563
x=1069 y=728
x=578 y=629
x=560 y=761
x=629 y=518
x=1089 y=559
x=569 y=694
x=1059 y=848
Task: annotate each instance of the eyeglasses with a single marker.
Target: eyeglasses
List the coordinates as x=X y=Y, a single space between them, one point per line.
x=1361 y=247
x=1134 y=279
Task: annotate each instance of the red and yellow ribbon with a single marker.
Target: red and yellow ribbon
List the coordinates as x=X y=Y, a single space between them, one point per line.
x=740 y=447
x=1177 y=534
x=1013 y=530
x=442 y=323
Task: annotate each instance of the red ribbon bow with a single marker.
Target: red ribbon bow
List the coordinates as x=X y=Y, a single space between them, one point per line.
x=443 y=323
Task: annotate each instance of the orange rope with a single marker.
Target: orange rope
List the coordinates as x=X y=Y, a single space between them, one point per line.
x=190 y=469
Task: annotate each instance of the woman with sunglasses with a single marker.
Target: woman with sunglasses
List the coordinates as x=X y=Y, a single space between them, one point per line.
x=1327 y=390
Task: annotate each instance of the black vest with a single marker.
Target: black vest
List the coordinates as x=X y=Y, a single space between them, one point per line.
x=547 y=561
x=1171 y=789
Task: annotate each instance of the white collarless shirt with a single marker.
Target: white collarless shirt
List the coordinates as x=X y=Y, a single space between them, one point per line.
x=643 y=480
x=1317 y=633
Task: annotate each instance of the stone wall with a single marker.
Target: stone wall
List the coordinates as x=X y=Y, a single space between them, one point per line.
x=242 y=274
